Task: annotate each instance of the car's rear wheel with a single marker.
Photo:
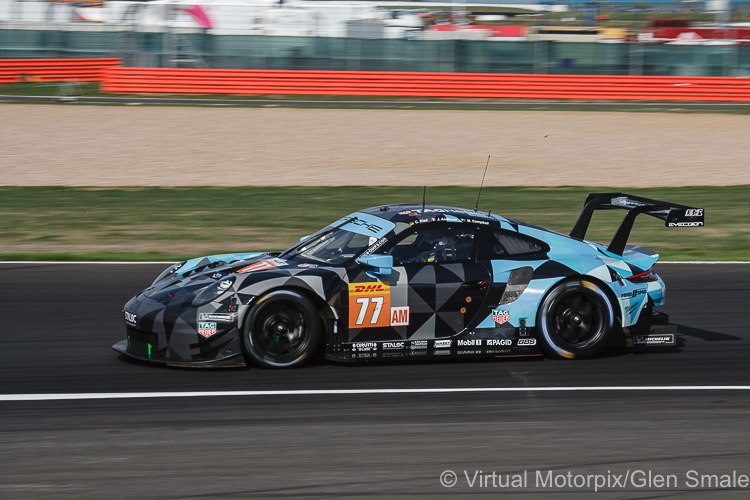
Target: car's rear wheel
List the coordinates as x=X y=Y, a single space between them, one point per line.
x=575 y=320
x=281 y=331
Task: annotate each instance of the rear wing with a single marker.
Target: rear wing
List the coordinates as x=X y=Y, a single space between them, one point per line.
x=672 y=214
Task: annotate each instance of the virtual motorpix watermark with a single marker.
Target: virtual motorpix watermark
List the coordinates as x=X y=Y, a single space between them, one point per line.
x=611 y=480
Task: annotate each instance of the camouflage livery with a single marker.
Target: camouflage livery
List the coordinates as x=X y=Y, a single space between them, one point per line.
x=453 y=283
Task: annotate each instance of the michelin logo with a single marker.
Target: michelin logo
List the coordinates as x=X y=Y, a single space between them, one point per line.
x=654 y=339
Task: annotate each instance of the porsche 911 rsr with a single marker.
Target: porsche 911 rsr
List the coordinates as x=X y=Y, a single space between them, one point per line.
x=412 y=282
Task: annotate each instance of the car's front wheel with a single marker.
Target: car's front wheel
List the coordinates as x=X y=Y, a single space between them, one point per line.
x=575 y=320
x=282 y=330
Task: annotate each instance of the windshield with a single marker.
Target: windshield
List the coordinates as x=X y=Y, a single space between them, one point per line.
x=332 y=247
x=349 y=237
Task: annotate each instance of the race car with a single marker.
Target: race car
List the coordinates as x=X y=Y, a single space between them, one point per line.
x=412 y=282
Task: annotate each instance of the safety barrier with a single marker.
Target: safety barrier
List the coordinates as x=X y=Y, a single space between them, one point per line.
x=54 y=70
x=415 y=84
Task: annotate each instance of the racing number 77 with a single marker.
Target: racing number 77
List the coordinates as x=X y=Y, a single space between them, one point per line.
x=366 y=304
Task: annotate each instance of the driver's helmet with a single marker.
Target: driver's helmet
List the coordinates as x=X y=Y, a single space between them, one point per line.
x=448 y=248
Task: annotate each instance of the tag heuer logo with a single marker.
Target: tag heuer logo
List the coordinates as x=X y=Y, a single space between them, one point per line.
x=206 y=329
x=500 y=316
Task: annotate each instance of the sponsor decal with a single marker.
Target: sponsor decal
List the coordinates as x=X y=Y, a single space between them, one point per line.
x=377 y=245
x=500 y=316
x=307 y=265
x=370 y=305
x=206 y=328
x=499 y=351
x=446 y=210
x=263 y=265
x=632 y=307
x=395 y=354
x=130 y=318
x=418 y=344
x=623 y=201
x=368 y=288
x=442 y=343
x=410 y=213
x=222 y=317
x=522 y=342
x=364 y=224
x=633 y=294
x=364 y=346
x=694 y=212
x=393 y=345
x=400 y=316
x=654 y=339
x=685 y=224
x=469 y=342
x=499 y=342
x=619 y=202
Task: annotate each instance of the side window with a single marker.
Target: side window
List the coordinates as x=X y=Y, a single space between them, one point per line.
x=500 y=244
x=435 y=244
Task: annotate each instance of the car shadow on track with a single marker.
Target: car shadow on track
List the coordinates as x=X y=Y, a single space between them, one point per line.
x=708 y=335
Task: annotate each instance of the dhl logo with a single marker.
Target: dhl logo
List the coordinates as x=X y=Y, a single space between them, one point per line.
x=368 y=289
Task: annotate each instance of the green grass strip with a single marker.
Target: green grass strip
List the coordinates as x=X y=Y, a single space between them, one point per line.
x=61 y=223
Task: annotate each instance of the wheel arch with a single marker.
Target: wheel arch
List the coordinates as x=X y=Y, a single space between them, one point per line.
x=325 y=310
x=614 y=302
x=573 y=277
x=617 y=329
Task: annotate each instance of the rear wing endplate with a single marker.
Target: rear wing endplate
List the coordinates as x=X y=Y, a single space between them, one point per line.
x=672 y=214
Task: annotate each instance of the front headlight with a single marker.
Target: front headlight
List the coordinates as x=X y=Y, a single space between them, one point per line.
x=170 y=270
x=213 y=291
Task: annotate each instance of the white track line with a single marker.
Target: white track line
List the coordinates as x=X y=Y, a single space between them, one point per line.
x=321 y=392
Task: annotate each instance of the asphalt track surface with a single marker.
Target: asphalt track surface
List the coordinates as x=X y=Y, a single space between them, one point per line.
x=60 y=320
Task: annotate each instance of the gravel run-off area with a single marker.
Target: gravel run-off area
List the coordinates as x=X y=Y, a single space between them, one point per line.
x=85 y=145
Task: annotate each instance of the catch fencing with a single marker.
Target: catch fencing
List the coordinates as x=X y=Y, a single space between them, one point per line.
x=201 y=49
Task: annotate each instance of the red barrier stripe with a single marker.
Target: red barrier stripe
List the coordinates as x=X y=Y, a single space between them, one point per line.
x=406 y=84
x=375 y=75
x=353 y=85
x=718 y=97
x=47 y=70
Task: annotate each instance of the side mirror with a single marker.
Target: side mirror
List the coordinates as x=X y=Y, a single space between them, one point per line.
x=382 y=263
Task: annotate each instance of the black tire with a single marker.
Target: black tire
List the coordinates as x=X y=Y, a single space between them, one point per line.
x=575 y=320
x=282 y=330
